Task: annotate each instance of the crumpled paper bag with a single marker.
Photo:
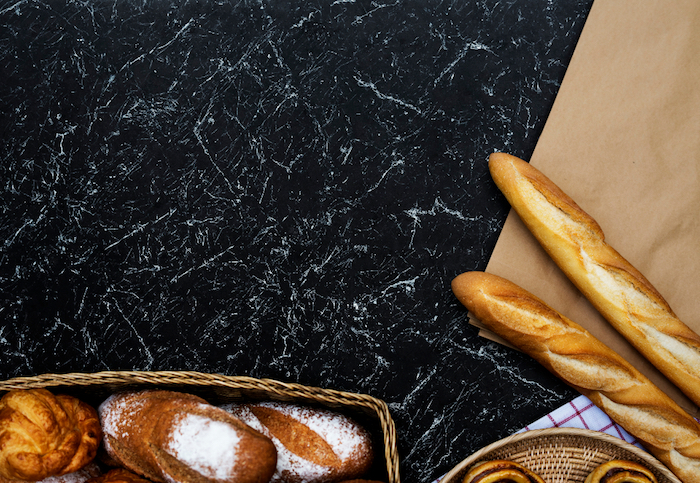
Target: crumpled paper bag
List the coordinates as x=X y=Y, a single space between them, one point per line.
x=623 y=140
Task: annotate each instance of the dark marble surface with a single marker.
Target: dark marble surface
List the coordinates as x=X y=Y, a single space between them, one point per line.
x=275 y=189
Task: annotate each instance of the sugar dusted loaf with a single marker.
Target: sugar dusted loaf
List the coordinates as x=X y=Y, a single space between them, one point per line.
x=313 y=445
x=171 y=436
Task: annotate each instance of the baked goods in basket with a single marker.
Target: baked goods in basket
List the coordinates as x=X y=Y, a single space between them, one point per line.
x=172 y=436
x=579 y=359
x=313 y=445
x=501 y=471
x=621 y=471
x=118 y=475
x=621 y=294
x=83 y=475
x=43 y=435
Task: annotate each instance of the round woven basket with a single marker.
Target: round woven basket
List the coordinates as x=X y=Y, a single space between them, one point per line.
x=561 y=455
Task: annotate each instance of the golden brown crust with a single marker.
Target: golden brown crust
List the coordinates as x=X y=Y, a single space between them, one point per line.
x=572 y=353
x=501 y=471
x=118 y=475
x=165 y=435
x=621 y=471
x=315 y=445
x=43 y=435
x=576 y=243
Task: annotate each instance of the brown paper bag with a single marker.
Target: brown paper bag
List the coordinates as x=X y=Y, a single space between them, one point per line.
x=623 y=140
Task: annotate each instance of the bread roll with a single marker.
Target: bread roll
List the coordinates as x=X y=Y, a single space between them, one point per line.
x=43 y=435
x=313 y=445
x=84 y=474
x=573 y=354
x=118 y=475
x=613 y=286
x=171 y=436
x=621 y=471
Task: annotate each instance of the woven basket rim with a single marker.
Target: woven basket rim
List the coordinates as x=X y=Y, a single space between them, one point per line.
x=549 y=433
x=163 y=377
x=204 y=379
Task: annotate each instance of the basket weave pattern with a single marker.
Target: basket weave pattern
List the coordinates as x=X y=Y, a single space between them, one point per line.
x=220 y=389
x=561 y=455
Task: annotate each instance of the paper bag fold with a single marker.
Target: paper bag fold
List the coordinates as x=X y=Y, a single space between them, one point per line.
x=623 y=140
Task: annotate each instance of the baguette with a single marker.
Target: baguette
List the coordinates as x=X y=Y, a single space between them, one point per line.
x=622 y=295
x=574 y=355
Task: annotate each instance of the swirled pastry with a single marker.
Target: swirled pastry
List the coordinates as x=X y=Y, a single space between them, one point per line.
x=43 y=435
x=501 y=471
x=621 y=471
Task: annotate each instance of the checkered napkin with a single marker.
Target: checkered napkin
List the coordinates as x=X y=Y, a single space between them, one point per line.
x=579 y=413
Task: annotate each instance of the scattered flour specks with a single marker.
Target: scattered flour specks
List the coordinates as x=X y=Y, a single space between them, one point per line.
x=209 y=446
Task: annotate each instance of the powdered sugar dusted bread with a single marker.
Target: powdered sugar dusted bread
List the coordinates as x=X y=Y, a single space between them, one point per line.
x=171 y=436
x=118 y=475
x=84 y=474
x=313 y=445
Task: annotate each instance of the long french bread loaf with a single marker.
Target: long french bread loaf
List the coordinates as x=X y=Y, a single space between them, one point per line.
x=622 y=295
x=574 y=355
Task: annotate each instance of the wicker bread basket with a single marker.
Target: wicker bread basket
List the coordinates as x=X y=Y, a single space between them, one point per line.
x=561 y=455
x=217 y=389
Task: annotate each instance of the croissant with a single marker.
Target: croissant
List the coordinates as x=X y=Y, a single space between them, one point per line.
x=43 y=435
x=501 y=471
x=621 y=471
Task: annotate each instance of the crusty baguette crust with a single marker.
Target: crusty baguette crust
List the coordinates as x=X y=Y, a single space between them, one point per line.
x=574 y=355
x=622 y=295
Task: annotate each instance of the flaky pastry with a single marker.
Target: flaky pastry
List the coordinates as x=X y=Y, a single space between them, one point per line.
x=43 y=435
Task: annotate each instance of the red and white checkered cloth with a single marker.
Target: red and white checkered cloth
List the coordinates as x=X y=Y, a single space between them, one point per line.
x=579 y=413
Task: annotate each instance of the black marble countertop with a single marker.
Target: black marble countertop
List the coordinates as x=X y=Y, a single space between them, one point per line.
x=276 y=189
